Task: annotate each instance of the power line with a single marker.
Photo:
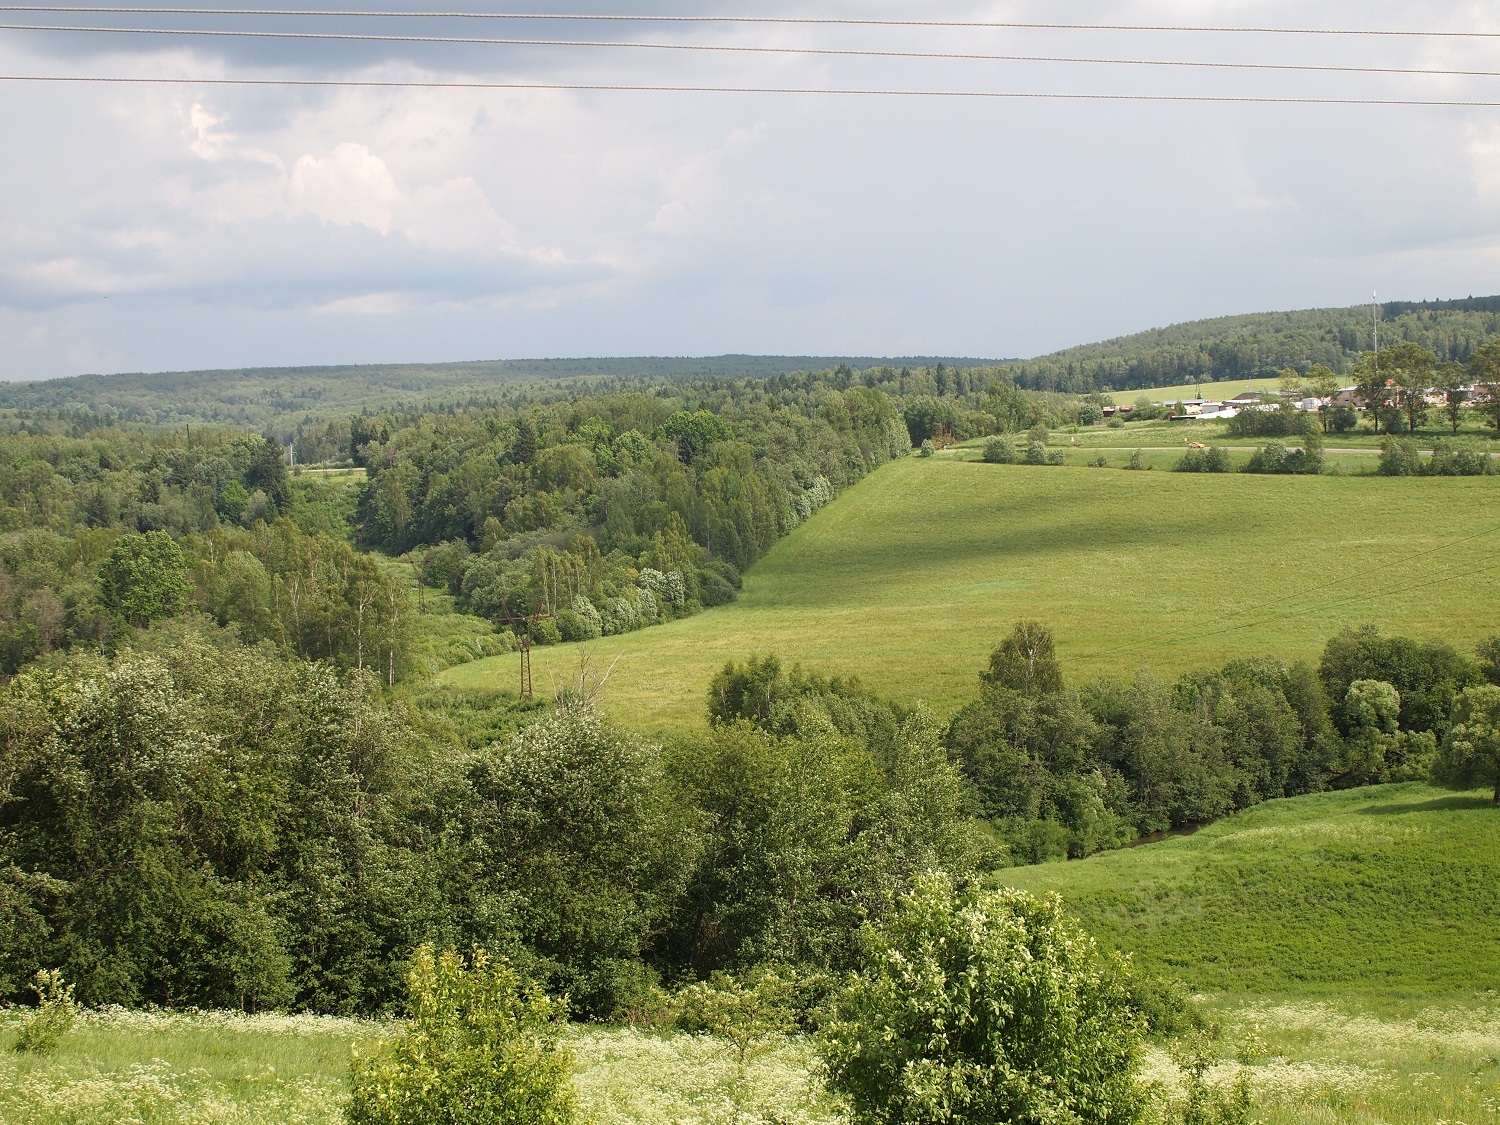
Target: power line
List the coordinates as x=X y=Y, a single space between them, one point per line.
x=782 y=20
x=1011 y=95
x=737 y=49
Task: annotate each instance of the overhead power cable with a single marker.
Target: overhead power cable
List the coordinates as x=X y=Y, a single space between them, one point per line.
x=600 y=87
x=1019 y=25
x=748 y=50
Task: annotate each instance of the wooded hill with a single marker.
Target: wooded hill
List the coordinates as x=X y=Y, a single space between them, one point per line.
x=1250 y=346
x=1257 y=345
x=278 y=398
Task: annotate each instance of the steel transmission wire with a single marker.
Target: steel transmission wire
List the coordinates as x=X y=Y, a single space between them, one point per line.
x=1017 y=25
x=750 y=50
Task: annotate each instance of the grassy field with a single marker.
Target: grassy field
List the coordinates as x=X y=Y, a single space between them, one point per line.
x=1216 y=392
x=912 y=576
x=1391 y=891
x=1347 y=941
x=221 y=1068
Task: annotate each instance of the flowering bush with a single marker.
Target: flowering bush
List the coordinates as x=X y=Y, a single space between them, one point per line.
x=482 y=1047
x=975 y=1006
x=55 y=1014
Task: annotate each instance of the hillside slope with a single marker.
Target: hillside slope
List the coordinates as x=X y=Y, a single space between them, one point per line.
x=1391 y=889
x=1257 y=345
x=912 y=576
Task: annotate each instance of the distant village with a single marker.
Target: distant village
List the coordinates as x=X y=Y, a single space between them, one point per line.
x=1204 y=409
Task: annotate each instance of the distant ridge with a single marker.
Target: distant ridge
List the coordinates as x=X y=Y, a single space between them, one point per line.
x=275 y=396
x=1247 y=346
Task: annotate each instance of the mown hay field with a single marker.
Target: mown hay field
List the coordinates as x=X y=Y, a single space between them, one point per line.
x=911 y=577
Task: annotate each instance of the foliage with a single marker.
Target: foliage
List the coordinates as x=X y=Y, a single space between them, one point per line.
x=1262 y=422
x=481 y=1047
x=1275 y=457
x=1025 y=662
x=1428 y=676
x=1000 y=450
x=1203 y=1102
x=55 y=1015
x=975 y=1006
x=144 y=577
x=1400 y=457
x=1070 y=773
x=572 y=819
x=1470 y=753
x=1214 y=459
x=206 y=824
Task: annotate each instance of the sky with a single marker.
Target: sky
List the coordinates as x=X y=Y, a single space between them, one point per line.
x=186 y=226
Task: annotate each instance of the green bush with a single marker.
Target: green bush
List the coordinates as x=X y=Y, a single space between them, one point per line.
x=55 y=1014
x=1210 y=460
x=1000 y=451
x=978 y=1006
x=481 y=1047
x=1399 y=457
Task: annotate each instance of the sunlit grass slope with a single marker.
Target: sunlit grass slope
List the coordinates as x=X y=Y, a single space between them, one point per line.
x=912 y=576
x=1391 y=891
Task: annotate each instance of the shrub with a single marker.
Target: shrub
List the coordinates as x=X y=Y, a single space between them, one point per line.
x=1039 y=454
x=1454 y=460
x=1399 y=457
x=1343 y=419
x=481 y=1047
x=1000 y=451
x=927 y=449
x=1210 y=460
x=1098 y=461
x=975 y=1006
x=1137 y=460
x=1276 y=457
x=56 y=1011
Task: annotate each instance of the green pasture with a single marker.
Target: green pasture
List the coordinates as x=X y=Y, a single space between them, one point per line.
x=912 y=576
x=1162 y=434
x=1390 y=892
x=1217 y=392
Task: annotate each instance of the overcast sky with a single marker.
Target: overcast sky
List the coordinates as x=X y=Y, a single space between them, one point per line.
x=169 y=227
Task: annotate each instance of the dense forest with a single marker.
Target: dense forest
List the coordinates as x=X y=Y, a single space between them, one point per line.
x=1260 y=345
x=278 y=398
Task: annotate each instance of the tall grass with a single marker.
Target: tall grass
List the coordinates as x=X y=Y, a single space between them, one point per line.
x=1324 y=1063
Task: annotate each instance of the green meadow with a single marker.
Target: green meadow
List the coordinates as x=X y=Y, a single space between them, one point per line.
x=912 y=576
x=1346 y=942
x=1387 y=892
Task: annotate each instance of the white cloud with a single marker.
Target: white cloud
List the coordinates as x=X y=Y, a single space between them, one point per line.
x=349 y=185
